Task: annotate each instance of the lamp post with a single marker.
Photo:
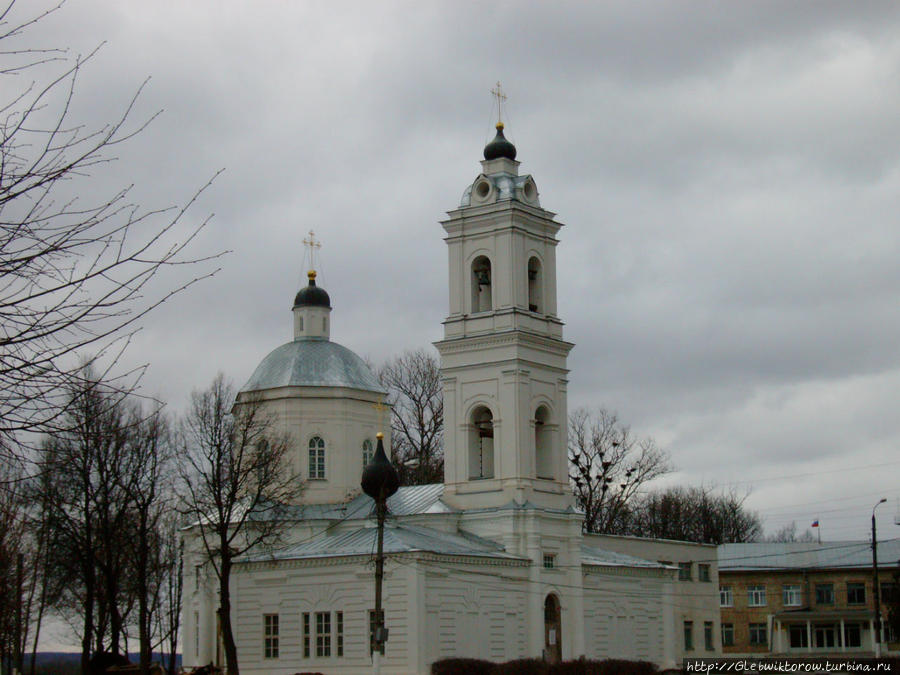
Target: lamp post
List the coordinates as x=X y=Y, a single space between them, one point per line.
x=379 y=481
x=875 y=576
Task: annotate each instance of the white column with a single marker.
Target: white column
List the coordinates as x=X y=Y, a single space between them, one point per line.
x=841 y=636
x=809 y=641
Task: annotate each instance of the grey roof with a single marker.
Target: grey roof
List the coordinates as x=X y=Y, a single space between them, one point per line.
x=506 y=185
x=601 y=558
x=397 y=539
x=797 y=555
x=312 y=362
x=409 y=500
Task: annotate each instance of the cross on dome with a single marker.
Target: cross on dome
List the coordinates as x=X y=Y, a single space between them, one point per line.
x=312 y=246
x=501 y=97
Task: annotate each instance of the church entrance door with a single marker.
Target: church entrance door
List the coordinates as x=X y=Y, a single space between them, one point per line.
x=552 y=630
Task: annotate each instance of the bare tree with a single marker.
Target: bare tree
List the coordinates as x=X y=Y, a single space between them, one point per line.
x=237 y=481
x=608 y=467
x=413 y=381
x=788 y=533
x=699 y=514
x=74 y=272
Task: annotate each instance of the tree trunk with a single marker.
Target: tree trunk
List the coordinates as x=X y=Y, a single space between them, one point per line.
x=231 y=657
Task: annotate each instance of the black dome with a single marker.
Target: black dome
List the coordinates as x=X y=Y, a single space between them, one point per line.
x=312 y=295
x=499 y=147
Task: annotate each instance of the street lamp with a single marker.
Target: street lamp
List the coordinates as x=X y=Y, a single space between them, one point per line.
x=379 y=481
x=875 y=576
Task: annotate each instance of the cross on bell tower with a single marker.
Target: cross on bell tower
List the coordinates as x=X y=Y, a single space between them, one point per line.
x=312 y=246
x=501 y=97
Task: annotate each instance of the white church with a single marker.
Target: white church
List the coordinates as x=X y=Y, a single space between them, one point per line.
x=490 y=564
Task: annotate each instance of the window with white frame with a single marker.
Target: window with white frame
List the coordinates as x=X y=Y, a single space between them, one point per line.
x=339 y=632
x=549 y=561
x=270 y=636
x=323 y=634
x=727 y=634
x=791 y=595
x=756 y=596
x=726 y=596
x=316 y=458
x=367 y=452
x=758 y=634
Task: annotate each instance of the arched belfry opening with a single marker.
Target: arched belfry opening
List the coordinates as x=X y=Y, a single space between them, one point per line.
x=482 y=300
x=535 y=285
x=481 y=444
x=543 y=444
x=552 y=629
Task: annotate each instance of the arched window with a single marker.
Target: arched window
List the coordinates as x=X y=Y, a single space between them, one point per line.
x=368 y=452
x=535 y=283
x=316 y=458
x=543 y=444
x=481 y=444
x=481 y=285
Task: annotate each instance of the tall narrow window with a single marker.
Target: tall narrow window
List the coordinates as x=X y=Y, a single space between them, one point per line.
x=688 y=635
x=306 y=635
x=372 y=631
x=197 y=635
x=708 y=635
x=367 y=452
x=270 y=636
x=339 y=632
x=482 y=299
x=535 y=282
x=323 y=633
x=316 y=458
x=481 y=444
x=543 y=447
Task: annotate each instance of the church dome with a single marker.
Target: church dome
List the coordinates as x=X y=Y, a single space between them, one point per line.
x=499 y=147
x=312 y=362
x=312 y=295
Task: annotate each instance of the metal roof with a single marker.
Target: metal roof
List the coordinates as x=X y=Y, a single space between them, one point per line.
x=806 y=555
x=312 y=362
x=409 y=500
x=600 y=558
x=397 y=539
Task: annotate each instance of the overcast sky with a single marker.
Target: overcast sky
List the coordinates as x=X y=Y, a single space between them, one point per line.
x=727 y=174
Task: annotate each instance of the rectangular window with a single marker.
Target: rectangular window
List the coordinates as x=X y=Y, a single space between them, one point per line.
x=726 y=596
x=703 y=572
x=852 y=635
x=758 y=634
x=372 y=631
x=823 y=636
x=708 y=635
x=306 y=650
x=317 y=463
x=323 y=633
x=198 y=571
x=688 y=636
x=685 y=571
x=549 y=561
x=270 y=636
x=339 y=628
x=824 y=594
x=798 y=636
x=197 y=635
x=856 y=593
x=756 y=596
x=728 y=635
x=889 y=591
x=791 y=596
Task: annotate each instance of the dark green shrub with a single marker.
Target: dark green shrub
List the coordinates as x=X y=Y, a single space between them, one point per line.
x=461 y=667
x=522 y=667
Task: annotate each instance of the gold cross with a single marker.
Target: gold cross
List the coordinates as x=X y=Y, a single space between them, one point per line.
x=501 y=97
x=311 y=246
x=380 y=407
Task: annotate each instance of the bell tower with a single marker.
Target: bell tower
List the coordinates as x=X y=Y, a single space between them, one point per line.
x=503 y=359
